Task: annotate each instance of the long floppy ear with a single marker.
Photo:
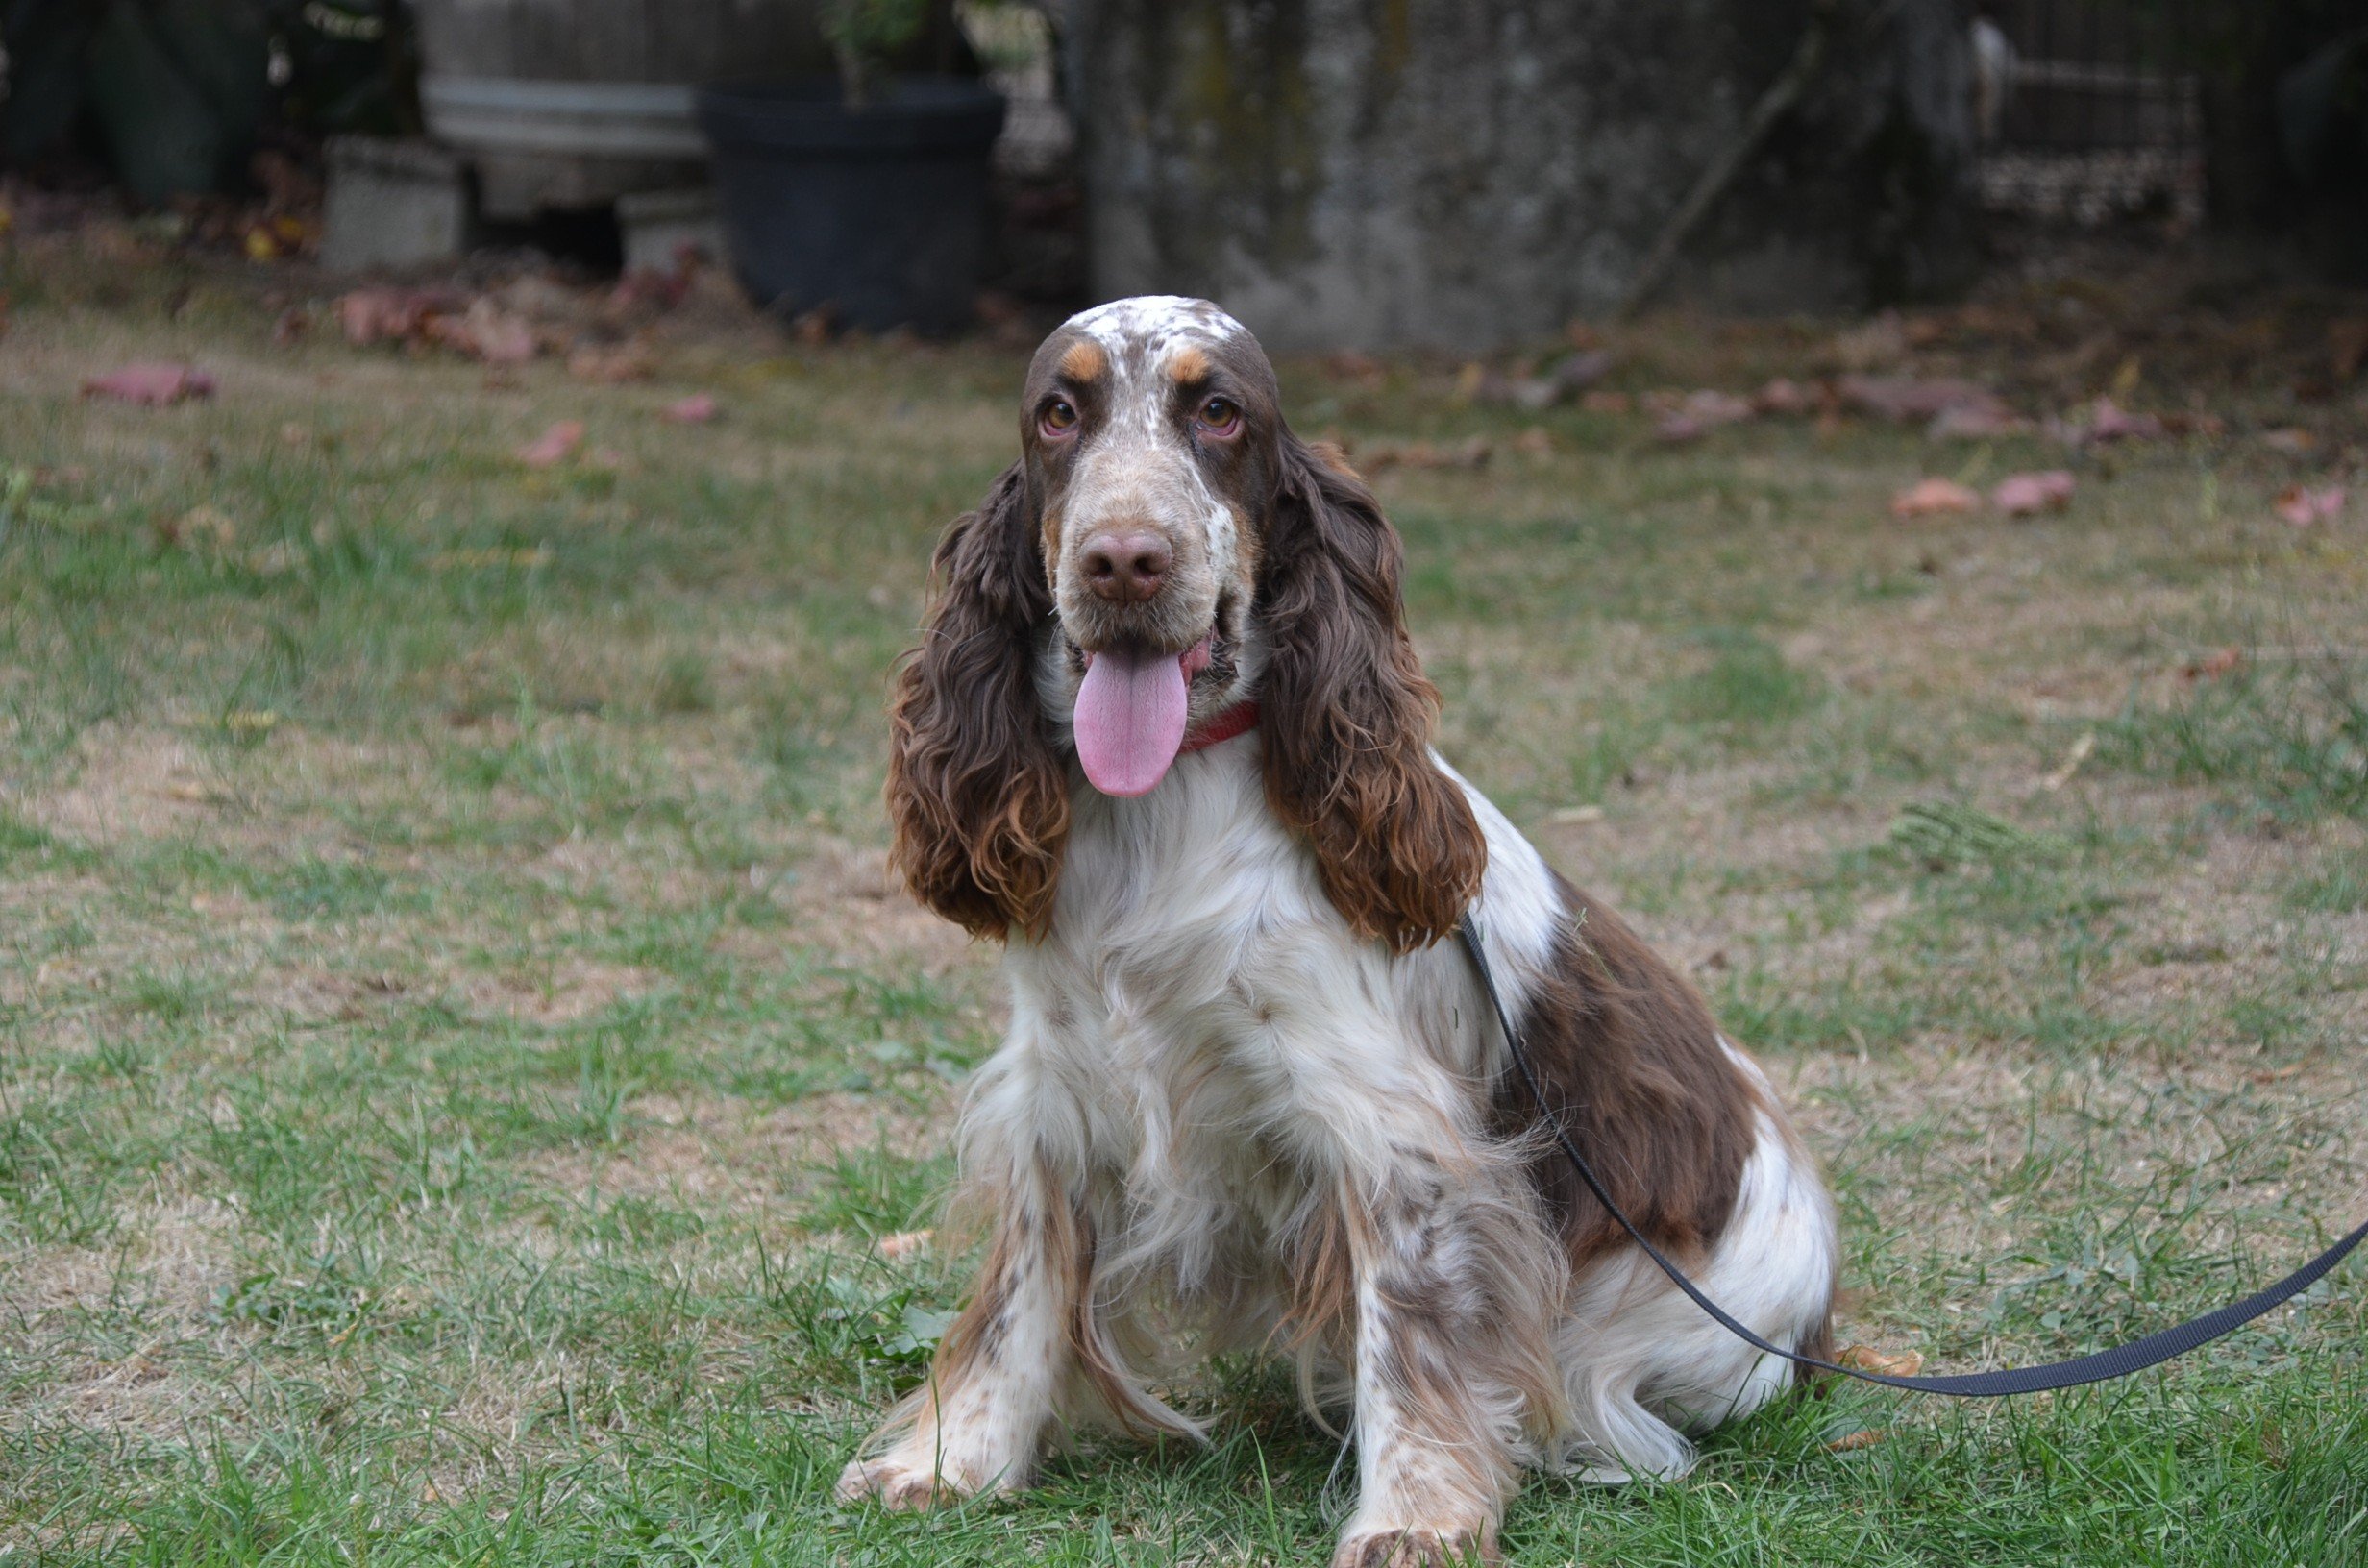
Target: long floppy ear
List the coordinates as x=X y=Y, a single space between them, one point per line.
x=978 y=800
x=1348 y=713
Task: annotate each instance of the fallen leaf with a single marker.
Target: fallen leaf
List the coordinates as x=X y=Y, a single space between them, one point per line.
x=1607 y=403
x=1881 y=341
x=2292 y=440
x=1907 y=1364
x=2218 y=663
x=1575 y=372
x=611 y=363
x=2195 y=422
x=1533 y=442
x=816 y=327
x=1863 y=1437
x=553 y=445
x=1575 y=815
x=1352 y=365
x=2020 y=495
x=1975 y=422
x=381 y=315
x=902 y=1244
x=1926 y=497
x=2347 y=345
x=2302 y=506
x=484 y=331
x=696 y=409
x=2108 y=421
x=1783 y=397
x=196 y=526
x=251 y=720
x=1915 y=400
x=1717 y=407
x=154 y=385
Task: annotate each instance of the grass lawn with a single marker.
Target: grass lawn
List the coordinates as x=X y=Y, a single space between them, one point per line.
x=459 y=1049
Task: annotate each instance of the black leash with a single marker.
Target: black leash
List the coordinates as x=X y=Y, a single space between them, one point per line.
x=2117 y=1362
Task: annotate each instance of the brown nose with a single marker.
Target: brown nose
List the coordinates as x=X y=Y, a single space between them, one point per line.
x=1126 y=568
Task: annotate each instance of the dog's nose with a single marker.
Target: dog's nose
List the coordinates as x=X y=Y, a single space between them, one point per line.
x=1127 y=568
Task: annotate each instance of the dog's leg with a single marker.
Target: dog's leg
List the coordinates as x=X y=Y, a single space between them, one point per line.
x=1452 y=1362
x=979 y=1420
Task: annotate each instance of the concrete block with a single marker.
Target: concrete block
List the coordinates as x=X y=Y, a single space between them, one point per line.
x=392 y=203
x=655 y=224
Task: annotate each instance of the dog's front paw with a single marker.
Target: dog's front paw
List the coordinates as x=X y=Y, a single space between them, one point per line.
x=898 y=1485
x=1417 y=1547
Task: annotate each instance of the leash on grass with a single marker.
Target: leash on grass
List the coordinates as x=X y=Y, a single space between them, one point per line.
x=2119 y=1361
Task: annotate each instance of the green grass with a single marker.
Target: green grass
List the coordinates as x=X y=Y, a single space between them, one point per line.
x=459 y=1054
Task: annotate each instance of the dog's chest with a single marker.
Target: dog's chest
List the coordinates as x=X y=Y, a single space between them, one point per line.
x=1190 y=940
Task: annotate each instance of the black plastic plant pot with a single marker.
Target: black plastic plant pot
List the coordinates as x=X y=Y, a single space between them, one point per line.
x=877 y=214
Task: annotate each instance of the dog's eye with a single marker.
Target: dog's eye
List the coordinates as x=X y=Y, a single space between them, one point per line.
x=1059 y=415
x=1219 y=415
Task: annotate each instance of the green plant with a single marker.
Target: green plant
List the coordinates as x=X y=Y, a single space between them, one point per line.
x=863 y=35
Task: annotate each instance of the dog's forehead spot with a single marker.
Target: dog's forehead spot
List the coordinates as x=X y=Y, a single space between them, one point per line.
x=1153 y=344
x=1150 y=323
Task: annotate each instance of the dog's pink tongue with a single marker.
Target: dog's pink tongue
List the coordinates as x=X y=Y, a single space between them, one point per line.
x=1130 y=718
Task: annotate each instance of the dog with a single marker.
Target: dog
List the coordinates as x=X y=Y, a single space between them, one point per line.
x=1166 y=740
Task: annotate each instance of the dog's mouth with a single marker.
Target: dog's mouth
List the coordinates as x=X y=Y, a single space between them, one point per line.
x=1131 y=711
x=1134 y=702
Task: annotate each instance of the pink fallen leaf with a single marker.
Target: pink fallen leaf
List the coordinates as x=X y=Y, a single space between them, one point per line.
x=486 y=332
x=153 y=385
x=379 y=315
x=696 y=409
x=1784 y=397
x=1975 y=422
x=1912 y=399
x=553 y=445
x=2108 y=421
x=2302 y=506
x=2020 y=495
x=1927 y=497
x=1715 y=408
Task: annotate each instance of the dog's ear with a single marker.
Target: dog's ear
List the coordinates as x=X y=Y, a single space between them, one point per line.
x=978 y=800
x=1348 y=713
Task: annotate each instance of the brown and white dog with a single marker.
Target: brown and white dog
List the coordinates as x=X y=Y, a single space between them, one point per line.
x=1166 y=740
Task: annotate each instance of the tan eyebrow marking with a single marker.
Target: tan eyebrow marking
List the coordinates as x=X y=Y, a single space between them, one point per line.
x=1084 y=361
x=1187 y=365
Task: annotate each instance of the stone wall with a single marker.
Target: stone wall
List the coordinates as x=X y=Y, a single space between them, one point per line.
x=1461 y=173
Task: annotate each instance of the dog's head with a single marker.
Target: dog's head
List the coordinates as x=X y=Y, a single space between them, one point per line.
x=1166 y=548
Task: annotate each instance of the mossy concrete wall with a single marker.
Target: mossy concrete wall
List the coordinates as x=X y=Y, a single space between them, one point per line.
x=1458 y=173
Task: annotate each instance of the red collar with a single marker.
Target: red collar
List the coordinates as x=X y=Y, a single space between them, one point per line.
x=1239 y=720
